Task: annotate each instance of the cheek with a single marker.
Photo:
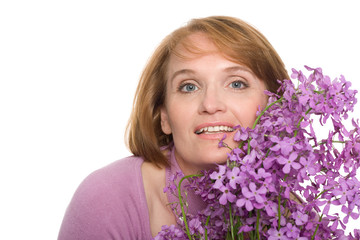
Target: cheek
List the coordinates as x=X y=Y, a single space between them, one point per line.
x=175 y=119
x=179 y=121
x=259 y=100
x=265 y=99
x=180 y=112
x=246 y=112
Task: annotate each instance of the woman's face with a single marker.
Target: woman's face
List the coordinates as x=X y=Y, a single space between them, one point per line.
x=206 y=96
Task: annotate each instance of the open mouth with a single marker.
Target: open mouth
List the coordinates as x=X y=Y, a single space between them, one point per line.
x=214 y=129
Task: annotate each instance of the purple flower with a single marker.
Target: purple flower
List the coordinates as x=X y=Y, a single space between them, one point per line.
x=300 y=218
x=268 y=162
x=221 y=142
x=349 y=213
x=277 y=235
x=245 y=228
x=249 y=158
x=170 y=232
x=292 y=231
x=356 y=234
x=270 y=208
x=250 y=196
x=195 y=226
x=343 y=192
x=309 y=167
x=262 y=174
x=328 y=203
x=280 y=156
x=234 y=177
x=172 y=185
x=218 y=176
x=289 y=162
x=235 y=155
x=258 y=194
x=245 y=201
x=241 y=134
x=269 y=184
x=227 y=195
x=285 y=145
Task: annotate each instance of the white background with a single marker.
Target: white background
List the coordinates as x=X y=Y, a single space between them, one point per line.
x=68 y=71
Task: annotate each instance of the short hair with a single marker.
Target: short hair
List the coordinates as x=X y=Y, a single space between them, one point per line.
x=236 y=39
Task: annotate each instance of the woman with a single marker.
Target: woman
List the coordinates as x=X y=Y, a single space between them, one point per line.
x=203 y=79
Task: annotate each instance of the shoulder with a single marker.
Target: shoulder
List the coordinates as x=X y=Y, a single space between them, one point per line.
x=116 y=172
x=120 y=177
x=109 y=203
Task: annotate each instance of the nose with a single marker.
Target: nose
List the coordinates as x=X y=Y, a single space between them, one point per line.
x=212 y=101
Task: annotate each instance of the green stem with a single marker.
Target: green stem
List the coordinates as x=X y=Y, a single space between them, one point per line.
x=317 y=227
x=279 y=203
x=279 y=210
x=231 y=223
x=206 y=224
x=182 y=204
x=333 y=141
x=264 y=110
x=324 y=191
x=249 y=147
x=241 y=235
x=258 y=224
x=258 y=118
x=302 y=118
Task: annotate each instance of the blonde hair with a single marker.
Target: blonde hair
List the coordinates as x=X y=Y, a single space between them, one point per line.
x=236 y=39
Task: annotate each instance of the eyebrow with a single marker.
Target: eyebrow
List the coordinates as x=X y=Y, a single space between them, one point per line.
x=237 y=68
x=228 y=69
x=180 y=72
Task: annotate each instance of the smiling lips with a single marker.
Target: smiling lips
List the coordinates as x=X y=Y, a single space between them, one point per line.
x=214 y=129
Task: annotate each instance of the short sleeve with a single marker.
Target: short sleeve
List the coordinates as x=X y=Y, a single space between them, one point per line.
x=109 y=204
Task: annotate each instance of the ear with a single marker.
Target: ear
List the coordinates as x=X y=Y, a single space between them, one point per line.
x=165 y=124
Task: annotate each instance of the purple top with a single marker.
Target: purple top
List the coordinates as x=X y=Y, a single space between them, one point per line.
x=111 y=204
x=195 y=201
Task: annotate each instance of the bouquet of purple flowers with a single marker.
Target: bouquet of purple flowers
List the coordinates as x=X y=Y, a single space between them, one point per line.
x=283 y=181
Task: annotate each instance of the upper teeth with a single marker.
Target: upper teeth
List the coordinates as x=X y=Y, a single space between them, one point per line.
x=215 y=129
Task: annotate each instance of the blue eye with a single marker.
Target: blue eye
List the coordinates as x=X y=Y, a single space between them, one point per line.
x=237 y=84
x=188 y=87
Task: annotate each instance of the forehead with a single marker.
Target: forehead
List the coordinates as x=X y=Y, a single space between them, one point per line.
x=194 y=45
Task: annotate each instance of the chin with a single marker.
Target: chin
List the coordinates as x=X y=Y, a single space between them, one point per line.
x=218 y=157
